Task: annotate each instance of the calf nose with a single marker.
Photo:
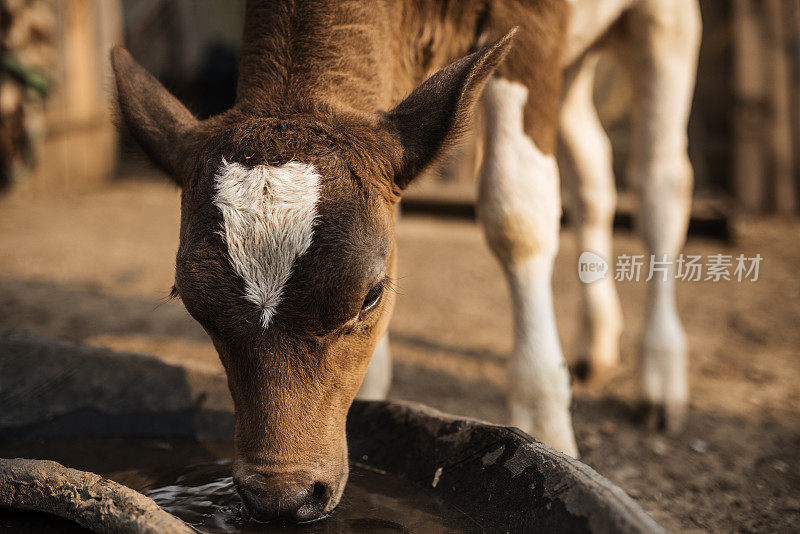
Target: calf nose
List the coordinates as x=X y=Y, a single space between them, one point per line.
x=298 y=503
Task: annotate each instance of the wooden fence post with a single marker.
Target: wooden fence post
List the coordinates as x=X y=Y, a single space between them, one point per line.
x=79 y=150
x=781 y=153
x=749 y=108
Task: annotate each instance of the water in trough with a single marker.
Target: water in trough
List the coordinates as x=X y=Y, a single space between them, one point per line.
x=193 y=482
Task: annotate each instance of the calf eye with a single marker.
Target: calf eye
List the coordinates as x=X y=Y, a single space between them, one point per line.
x=372 y=299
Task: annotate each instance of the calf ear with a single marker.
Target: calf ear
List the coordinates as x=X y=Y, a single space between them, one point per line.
x=439 y=111
x=157 y=120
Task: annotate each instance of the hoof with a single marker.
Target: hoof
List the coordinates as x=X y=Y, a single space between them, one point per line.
x=554 y=430
x=591 y=374
x=662 y=417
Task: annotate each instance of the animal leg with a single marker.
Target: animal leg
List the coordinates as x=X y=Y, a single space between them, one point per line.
x=519 y=208
x=585 y=164
x=378 y=379
x=662 y=41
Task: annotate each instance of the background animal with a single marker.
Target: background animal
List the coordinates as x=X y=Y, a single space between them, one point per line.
x=519 y=206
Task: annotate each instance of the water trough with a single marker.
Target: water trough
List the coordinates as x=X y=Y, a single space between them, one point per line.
x=140 y=421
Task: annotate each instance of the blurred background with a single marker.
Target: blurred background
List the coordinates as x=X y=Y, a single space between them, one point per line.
x=56 y=96
x=88 y=233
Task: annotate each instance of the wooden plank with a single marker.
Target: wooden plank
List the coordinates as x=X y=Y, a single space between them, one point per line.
x=749 y=113
x=80 y=145
x=710 y=217
x=780 y=128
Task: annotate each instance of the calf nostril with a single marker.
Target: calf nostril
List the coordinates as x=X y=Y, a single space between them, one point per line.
x=259 y=507
x=319 y=492
x=314 y=506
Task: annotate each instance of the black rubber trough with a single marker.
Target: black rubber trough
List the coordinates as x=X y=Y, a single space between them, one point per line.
x=501 y=478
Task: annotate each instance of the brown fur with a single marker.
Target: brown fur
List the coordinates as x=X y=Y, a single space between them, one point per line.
x=322 y=83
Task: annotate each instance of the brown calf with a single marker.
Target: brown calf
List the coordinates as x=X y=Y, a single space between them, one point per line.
x=287 y=249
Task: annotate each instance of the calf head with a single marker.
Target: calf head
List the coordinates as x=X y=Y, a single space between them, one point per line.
x=287 y=255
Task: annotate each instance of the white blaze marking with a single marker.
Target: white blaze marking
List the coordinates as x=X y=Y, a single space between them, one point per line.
x=267 y=221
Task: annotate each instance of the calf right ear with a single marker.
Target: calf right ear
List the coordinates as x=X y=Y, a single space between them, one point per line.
x=157 y=120
x=437 y=112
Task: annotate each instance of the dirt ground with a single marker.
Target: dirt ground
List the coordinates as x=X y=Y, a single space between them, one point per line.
x=97 y=268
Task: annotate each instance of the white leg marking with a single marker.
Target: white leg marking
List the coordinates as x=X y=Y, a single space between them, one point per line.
x=378 y=379
x=662 y=58
x=267 y=221
x=587 y=171
x=519 y=207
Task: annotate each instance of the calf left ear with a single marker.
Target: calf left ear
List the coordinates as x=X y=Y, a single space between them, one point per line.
x=157 y=119
x=439 y=110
